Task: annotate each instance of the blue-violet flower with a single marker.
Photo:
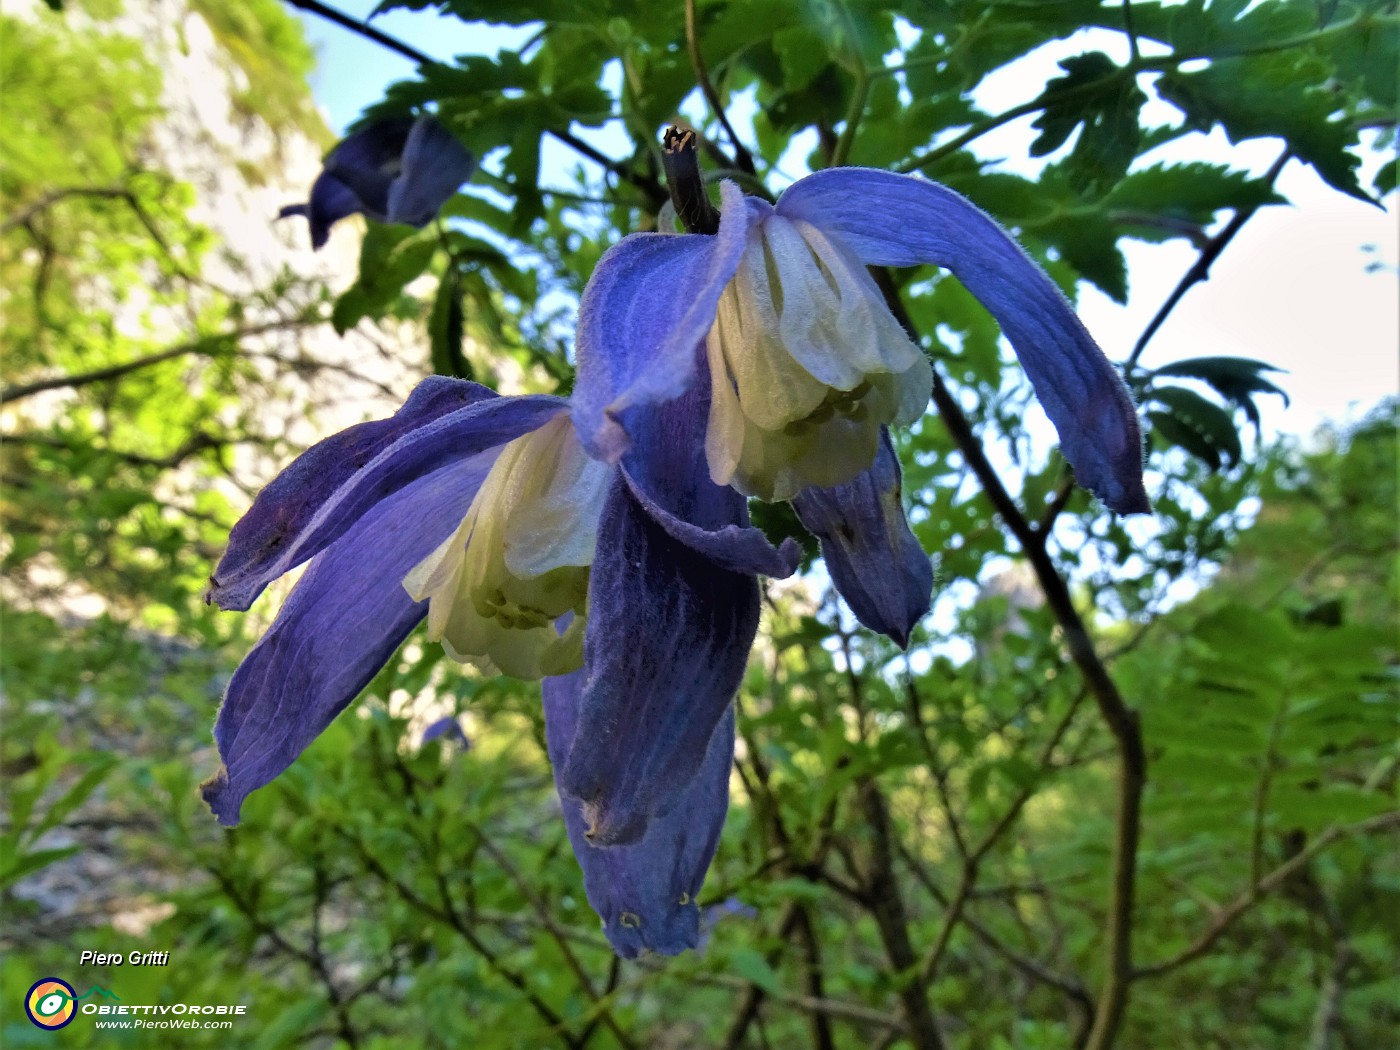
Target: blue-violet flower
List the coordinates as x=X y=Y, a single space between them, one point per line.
x=396 y=170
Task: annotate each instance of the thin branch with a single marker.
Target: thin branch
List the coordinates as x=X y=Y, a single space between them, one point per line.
x=1122 y=721
x=209 y=344
x=448 y=915
x=1200 y=270
x=1246 y=900
x=50 y=199
x=365 y=30
x=826 y=1007
x=742 y=157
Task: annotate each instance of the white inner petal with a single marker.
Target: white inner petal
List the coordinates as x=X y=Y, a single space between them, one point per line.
x=520 y=559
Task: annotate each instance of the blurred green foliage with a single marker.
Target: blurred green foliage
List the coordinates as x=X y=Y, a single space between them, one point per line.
x=927 y=828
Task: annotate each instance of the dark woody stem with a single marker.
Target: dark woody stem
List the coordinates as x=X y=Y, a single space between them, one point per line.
x=683 y=180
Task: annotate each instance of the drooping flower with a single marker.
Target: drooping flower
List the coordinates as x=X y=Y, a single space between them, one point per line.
x=645 y=892
x=482 y=514
x=396 y=170
x=804 y=357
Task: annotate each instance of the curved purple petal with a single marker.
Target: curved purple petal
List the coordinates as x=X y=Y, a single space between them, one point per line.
x=435 y=164
x=331 y=201
x=328 y=488
x=901 y=220
x=874 y=560
x=668 y=637
x=669 y=476
x=650 y=302
x=369 y=161
x=340 y=624
x=645 y=893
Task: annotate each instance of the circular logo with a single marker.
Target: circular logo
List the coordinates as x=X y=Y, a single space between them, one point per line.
x=49 y=1003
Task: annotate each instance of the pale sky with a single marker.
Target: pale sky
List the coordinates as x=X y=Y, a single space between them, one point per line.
x=1292 y=289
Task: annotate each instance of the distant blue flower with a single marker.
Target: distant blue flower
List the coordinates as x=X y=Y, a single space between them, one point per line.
x=446 y=729
x=483 y=514
x=396 y=170
x=713 y=914
x=804 y=357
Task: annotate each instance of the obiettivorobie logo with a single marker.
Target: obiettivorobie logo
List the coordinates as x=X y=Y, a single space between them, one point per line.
x=52 y=1004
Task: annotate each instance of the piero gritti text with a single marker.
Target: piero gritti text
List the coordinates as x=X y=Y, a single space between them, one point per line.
x=118 y=959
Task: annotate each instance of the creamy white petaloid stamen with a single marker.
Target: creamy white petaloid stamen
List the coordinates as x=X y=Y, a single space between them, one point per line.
x=806 y=364
x=519 y=560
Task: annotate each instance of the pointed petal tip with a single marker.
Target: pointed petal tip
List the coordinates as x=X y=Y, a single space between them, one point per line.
x=222 y=800
x=1133 y=503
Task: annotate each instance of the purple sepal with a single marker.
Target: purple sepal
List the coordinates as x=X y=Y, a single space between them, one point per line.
x=874 y=560
x=339 y=626
x=326 y=489
x=902 y=220
x=645 y=892
x=670 y=478
x=649 y=304
x=668 y=638
x=435 y=164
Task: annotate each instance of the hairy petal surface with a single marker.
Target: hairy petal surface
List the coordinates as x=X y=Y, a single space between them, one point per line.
x=668 y=637
x=875 y=562
x=330 y=486
x=649 y=303
x=342 y=621
x=901 y=220
x=645 y=892
x=669 y=478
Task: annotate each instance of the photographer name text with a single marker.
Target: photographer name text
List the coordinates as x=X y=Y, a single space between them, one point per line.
x=118 y=959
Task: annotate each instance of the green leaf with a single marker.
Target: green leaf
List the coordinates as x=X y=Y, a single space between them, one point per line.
x=1092 y=94
x=1201 y=427
x=24 y=864
x=447 y=328
x=1285 y=95
x=752 y=966
x=1237 y=379
x=1188 y=194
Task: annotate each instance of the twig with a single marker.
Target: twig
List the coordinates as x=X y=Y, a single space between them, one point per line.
x=365 y=30
x=1246 y=900
x=1122 y=721
x=1328 y=1015
x=1200 y=270
x=50 y=199
x=209 y=344
x=742 y=157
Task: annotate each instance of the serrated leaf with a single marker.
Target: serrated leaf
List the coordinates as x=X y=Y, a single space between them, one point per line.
x=1237 y=379
x=1188 y=193
x=1284 y=95
x=1106 y=104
